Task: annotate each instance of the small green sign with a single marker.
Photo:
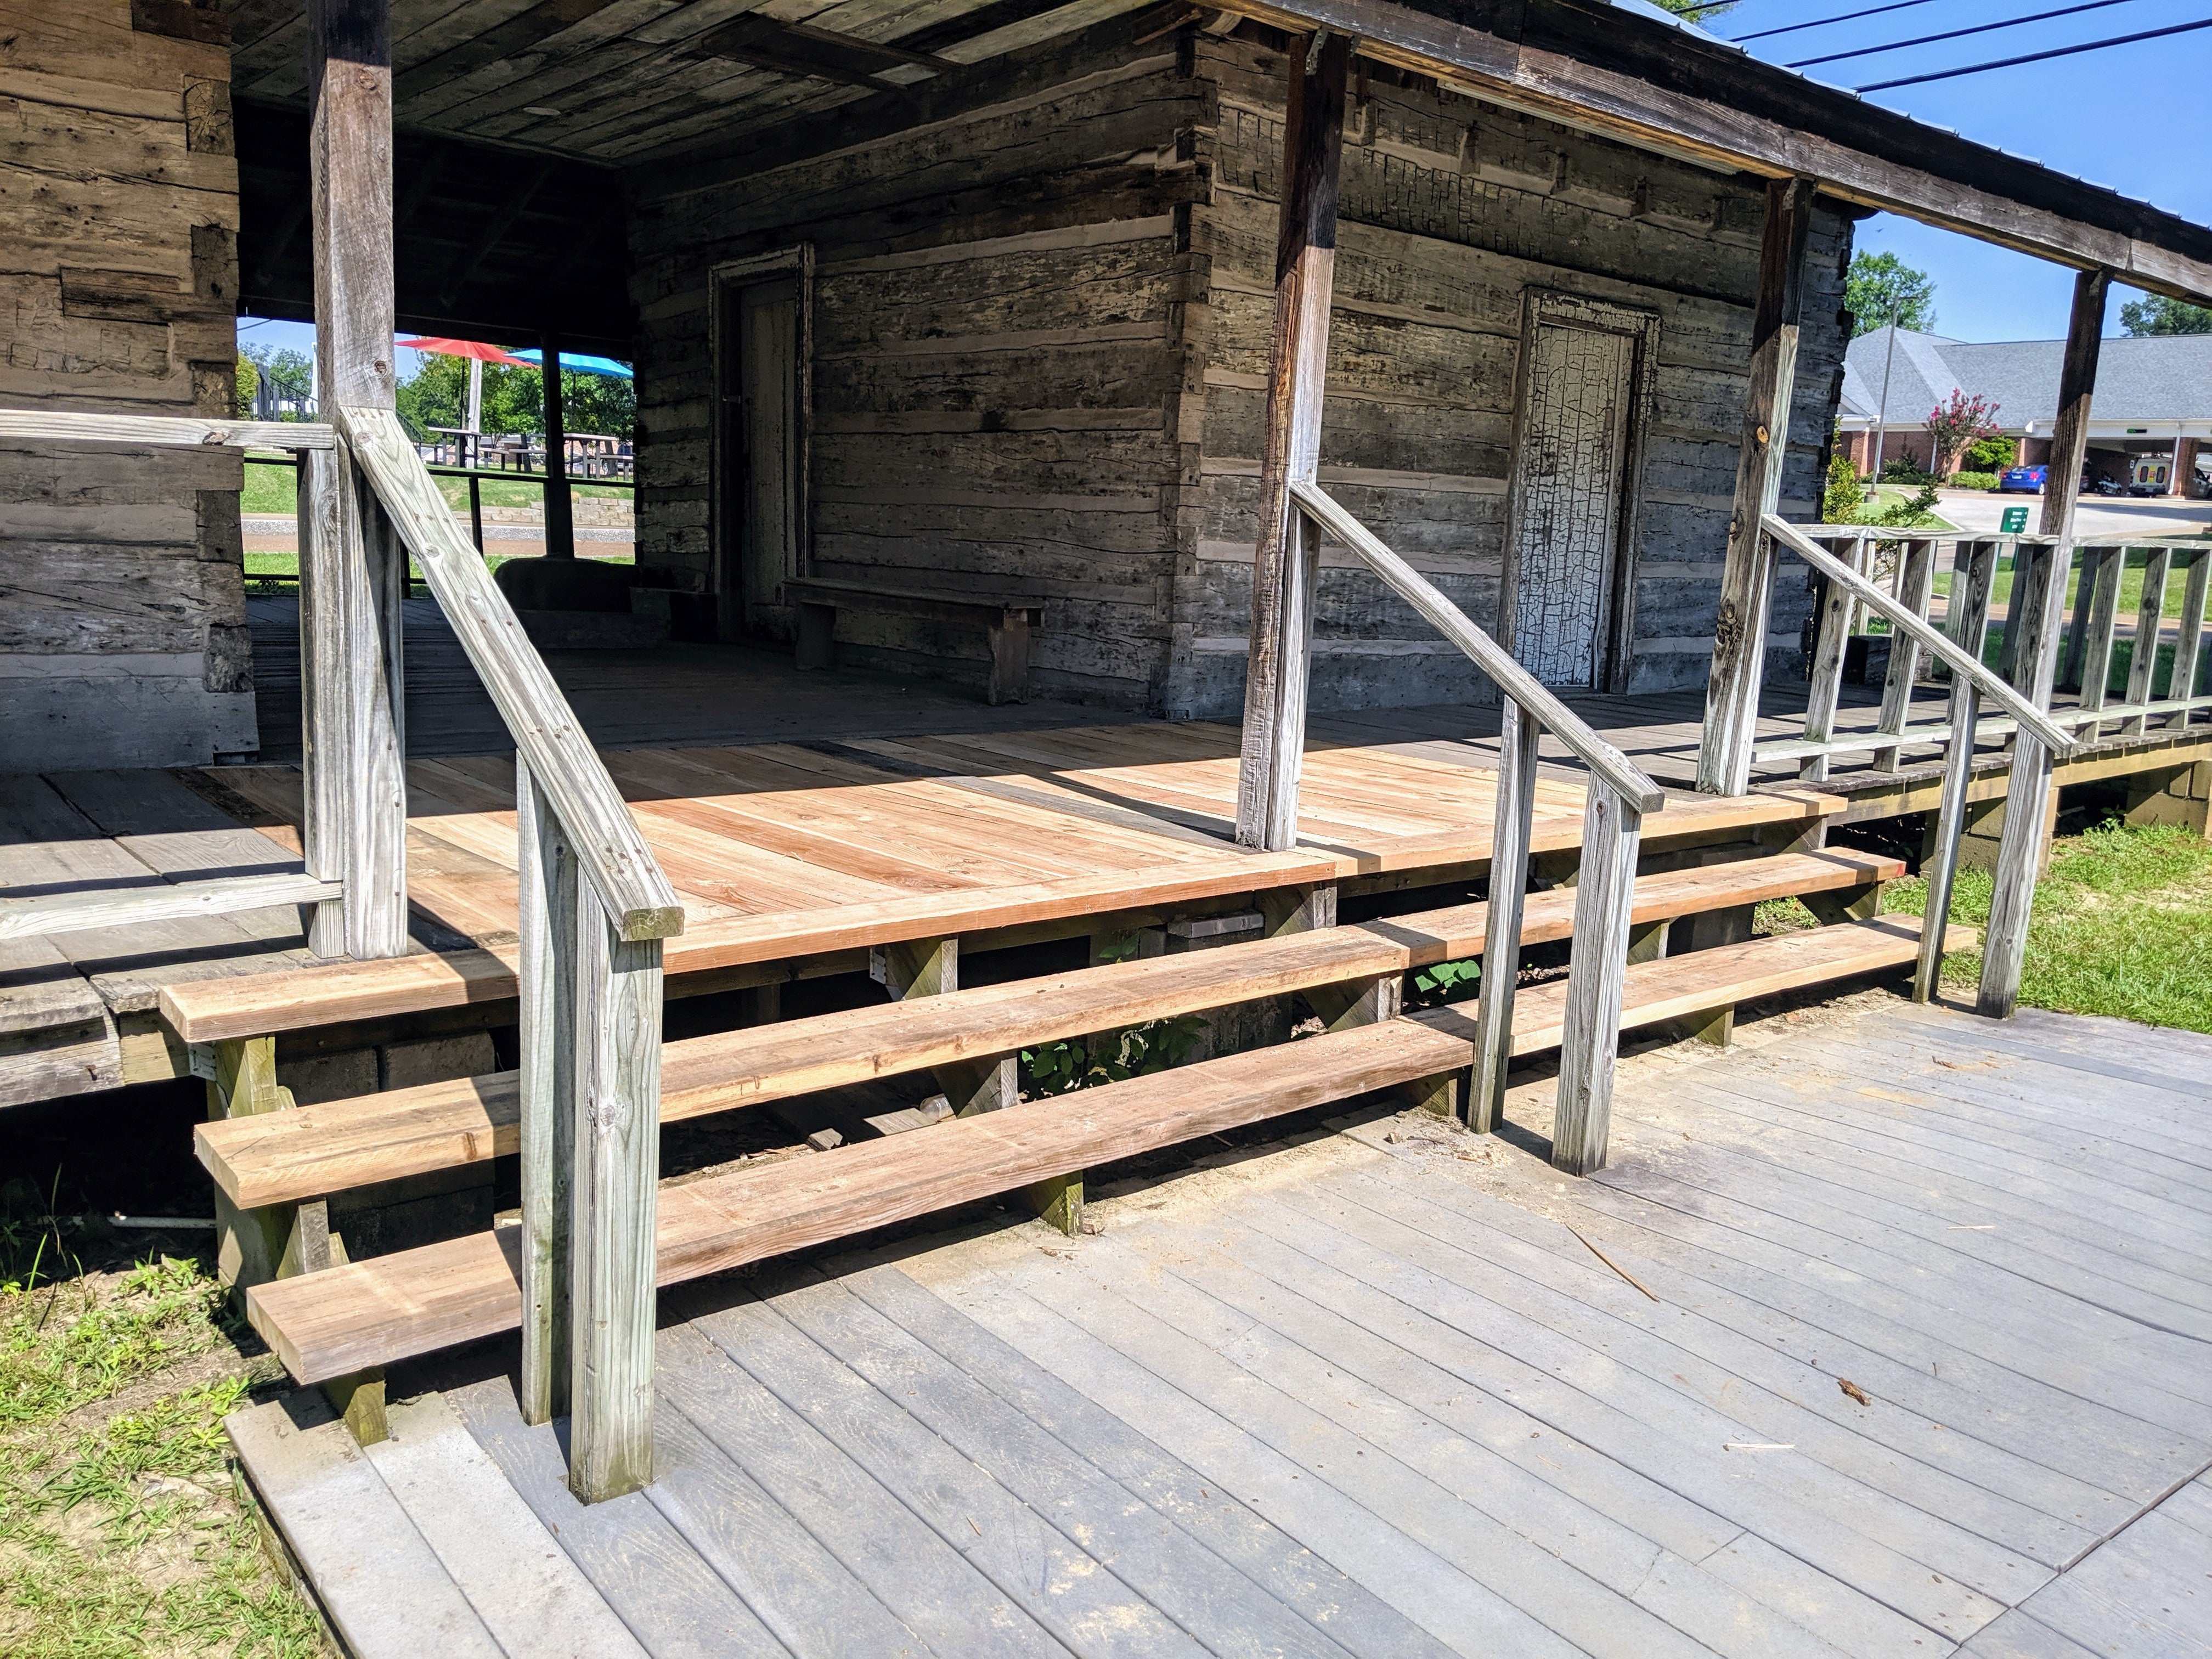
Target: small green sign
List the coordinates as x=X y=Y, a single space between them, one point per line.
x=2015 y=521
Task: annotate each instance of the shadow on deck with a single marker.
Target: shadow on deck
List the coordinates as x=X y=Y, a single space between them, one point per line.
x=1888 y=1351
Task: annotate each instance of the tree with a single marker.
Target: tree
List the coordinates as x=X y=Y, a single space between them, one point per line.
x=1698 y=11
x=1882 y=290
x=290 y=377
x=2156 y=314
x=437 y=394
x=1956 y=422
x=247 y=383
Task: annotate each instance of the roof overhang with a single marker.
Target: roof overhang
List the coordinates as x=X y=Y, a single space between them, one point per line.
x=1610 y=70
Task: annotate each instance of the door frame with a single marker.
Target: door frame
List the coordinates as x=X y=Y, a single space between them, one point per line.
x=1617 y=593
x=726 y=503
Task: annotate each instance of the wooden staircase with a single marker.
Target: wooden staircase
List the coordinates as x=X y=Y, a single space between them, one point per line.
x=371 y=1313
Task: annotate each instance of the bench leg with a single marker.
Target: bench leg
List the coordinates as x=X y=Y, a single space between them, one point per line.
x=818 y=636
x=1009 y=662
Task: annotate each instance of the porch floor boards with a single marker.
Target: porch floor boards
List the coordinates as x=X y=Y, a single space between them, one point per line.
x=1922 y=1370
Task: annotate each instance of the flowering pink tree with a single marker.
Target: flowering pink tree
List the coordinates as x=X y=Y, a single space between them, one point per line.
x=1957 y=423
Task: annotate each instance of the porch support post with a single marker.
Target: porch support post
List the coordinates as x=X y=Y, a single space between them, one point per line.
x=2020 y=854
x=1740 y=635
x=560 y=508
x=353 y=569
x=1286 y=560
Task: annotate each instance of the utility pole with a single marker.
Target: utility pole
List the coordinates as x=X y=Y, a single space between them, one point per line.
x=1881 y=414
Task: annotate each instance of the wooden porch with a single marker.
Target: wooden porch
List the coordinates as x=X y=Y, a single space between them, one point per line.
x=1868 y=1343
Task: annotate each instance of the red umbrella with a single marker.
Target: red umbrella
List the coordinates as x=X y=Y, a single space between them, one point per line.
x=476 y=348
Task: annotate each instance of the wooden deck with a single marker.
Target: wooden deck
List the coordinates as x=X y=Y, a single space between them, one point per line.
x=1376 y=1395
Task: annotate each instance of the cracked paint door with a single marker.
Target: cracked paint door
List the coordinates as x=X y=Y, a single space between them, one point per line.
x=1567 y=497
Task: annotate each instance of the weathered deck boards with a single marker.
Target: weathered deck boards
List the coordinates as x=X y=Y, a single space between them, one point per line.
x=1358 y=1396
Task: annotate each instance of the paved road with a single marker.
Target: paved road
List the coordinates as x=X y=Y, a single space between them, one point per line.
x=1981 y=510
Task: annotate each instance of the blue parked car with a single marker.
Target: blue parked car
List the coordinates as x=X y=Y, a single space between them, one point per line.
x=2023 y=480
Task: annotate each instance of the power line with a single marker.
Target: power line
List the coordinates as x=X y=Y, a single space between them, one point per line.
x=1820 y=22
x=2038 y=57
x=1953 y=34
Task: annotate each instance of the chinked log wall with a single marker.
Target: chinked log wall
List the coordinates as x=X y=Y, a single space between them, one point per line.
x=1040 y=352
x=123 y=637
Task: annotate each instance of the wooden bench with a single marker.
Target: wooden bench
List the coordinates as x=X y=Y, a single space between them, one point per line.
x=1005 y=624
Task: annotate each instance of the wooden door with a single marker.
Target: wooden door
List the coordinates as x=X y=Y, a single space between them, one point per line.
x=761 y=512
x=1578 y=389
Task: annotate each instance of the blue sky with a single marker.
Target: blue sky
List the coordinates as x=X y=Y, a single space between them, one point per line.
x=2137 y=118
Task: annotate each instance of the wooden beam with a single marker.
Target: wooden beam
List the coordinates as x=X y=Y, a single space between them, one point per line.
x=1286 y=561
x=70 y=913
x=496 y=226
x=1720 y=129
x=2038 y=599
x=1731 y=724
x=1589 y=1028
x=352 y=572
x=546 y=1085
x=560 y=508
x=1972 y=579
x=1517 y=739
x=174 y=432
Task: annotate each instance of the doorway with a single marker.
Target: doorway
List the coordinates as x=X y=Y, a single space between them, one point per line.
x=1585 y=384
x=760 y=474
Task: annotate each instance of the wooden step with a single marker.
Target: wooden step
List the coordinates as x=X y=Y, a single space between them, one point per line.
x=216 y=1010
x=376 y=1312
x=284 y=1157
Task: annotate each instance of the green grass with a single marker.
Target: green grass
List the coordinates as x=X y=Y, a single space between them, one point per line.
x=123 y=1530
x=2130 y=600
x=2121 y=926
x=273 y=489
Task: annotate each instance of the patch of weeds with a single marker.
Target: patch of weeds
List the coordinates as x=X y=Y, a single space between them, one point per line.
x=1447 y=981
x=123 y=1531
x=1786 y=915
x=2122 y=926
x=1059 y=1069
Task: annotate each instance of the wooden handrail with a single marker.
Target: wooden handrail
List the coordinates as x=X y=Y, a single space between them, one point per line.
x=1516 y=682
x=169 y=431
x=1961 y=660
x=608 y=849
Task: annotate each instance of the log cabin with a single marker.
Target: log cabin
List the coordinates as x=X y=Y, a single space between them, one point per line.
x=1380 y=437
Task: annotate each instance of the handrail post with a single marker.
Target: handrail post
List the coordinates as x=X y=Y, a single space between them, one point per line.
x=615 y=1193
x=1285 y=559
x=2040 y=600
x=548 y=887
x=1823 y=687
x=1589 y=1034
x=1512 y=825
x=353 y=571
x=1973 y=577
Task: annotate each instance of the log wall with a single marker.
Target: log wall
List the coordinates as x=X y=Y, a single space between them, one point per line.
x=1451 y=211
x=123 y=638
x=1040 y=347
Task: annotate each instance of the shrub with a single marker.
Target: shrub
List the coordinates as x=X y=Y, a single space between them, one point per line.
x=1916 y=512
x=1973 y=481
x=1902 y=471
x=1846 y=491
x=1990 y=454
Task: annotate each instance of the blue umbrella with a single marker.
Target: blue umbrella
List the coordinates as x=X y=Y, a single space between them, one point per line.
x=586 y=365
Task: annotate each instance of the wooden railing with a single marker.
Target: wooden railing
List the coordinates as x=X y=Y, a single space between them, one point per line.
x=594 y=907
x=2021 y=688
x=1613 y=821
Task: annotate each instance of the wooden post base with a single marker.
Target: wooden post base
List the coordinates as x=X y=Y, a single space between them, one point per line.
x=1717 y=1028
x=359 y=1398
x=1059 y=1202
x=1441 y=1096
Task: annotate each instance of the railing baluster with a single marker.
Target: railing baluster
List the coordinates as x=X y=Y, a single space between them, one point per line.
x=1916 y=591
x=2039 y=603
x=2104 y=618
x=1825 y=683
x=1590 y=1034
x=1511 y=829
x=615 y=1199
x=1969 y=601
x=2188 y=650
x=2069 y=676
x=2150 y=622
x=548 y=887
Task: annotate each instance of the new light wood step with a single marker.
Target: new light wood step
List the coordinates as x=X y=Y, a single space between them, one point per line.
x=216 y=1010
x=413 y=1302
x=284 y=1157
